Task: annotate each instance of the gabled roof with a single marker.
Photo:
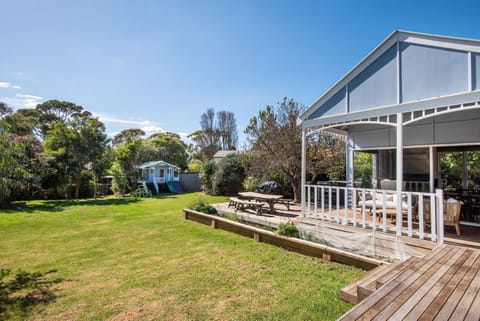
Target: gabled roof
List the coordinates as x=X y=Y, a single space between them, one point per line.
x=224 y=153
x=453 y=43
x=155 y=164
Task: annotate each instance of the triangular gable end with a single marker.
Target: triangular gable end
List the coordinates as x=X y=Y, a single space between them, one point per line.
x=405 y=67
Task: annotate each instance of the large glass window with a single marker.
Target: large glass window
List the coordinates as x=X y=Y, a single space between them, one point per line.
x=460 y=170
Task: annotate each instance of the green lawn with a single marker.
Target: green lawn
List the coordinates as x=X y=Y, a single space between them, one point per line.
x=128 y=259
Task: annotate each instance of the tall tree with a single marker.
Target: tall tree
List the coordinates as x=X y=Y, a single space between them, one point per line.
x=128 y=148
x=77 y=145
x=12 y=170
x=22 y=122
x=218 y=131
x=127 y=134
x=227 y=130
x=127 y=156
x=276 y=142
x=168 y=147
x=4 y=110
x=209 y=134
x=53 y=111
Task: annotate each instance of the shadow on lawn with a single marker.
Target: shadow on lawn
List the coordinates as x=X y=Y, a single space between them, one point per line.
x=21 y=292
x=60 y=205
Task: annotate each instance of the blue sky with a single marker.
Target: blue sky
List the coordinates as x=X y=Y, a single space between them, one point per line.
x=158 y=65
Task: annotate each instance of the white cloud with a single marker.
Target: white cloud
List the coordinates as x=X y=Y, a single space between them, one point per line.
x=115 y=120
x=152 y=129
x=22 y=101
x=147 y=126
x=4 y=84
x=185 y=139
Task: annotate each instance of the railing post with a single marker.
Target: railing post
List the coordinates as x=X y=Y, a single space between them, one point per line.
x=433 y=217
x=329 y=204
x=409 y=214
x=337 y=198
x=354 y=206
x=421 y=225
x=384 y=210
x=439 y=197
x=322 y=201
x=399 y=175
x=309 y=201
x=304 y=169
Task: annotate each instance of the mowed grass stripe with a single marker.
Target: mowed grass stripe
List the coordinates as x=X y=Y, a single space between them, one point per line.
x=127 y=259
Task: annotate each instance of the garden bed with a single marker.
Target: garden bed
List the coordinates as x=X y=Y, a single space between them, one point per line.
x=289 y=243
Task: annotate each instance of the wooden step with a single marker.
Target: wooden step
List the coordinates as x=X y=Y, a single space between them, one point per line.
x=370 y=285
x=359 y=290
x=411 y=262
x=380 y=281
x=349 y=293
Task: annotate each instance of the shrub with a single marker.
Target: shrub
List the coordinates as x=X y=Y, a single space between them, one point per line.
x=141 y=192
x=250 y=184
x=201 y=205
x=229 y=176
x=195 y=166
x=206 y=175
x=288 y=229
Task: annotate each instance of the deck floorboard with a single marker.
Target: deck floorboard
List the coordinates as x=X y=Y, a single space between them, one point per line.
x=444 y=285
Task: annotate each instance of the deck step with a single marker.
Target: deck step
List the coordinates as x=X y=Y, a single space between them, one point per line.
x=359 y=290
x=406 y=265
x=366 y=288
x=349 y=293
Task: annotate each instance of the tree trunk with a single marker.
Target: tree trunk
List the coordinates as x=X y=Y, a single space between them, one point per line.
x=296 y=197
x=95 y=187
x=77 y=189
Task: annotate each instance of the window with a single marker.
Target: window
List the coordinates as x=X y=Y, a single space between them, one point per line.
x=162 y=172
x=175 y=173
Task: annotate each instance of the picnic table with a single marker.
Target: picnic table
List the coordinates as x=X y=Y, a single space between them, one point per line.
x=270 y=199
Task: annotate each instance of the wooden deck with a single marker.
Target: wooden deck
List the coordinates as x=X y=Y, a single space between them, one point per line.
x=444 y=285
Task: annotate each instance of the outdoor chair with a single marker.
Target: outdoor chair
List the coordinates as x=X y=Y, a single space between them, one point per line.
x=452 y=209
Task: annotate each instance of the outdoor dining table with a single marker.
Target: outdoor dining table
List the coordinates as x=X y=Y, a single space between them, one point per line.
x=270 y=199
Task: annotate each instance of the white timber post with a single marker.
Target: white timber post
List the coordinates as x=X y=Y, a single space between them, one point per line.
x=399 y=171
x=432 y=169
x=349 y=174
x=439 y=218
x=304 y=169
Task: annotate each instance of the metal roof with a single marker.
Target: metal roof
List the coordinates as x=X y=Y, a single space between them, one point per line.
x=453 y=43
x=155 y=164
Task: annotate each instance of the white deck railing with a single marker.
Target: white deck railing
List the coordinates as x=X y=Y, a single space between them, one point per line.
x=417 y=186
x=420 y=215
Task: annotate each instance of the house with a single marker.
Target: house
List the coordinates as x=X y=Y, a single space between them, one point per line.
x=221 y=154
x=158 y=175
x=412 y=98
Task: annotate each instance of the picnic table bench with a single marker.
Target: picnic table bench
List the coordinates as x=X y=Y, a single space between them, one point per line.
x=285 y=201
x=269 y=199
x=244 y=204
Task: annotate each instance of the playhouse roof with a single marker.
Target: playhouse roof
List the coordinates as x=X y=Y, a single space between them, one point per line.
x=159 y=163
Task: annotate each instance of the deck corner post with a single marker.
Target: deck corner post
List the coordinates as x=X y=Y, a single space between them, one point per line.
x=399 y=174
x=439 y=197
x=304 y=169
